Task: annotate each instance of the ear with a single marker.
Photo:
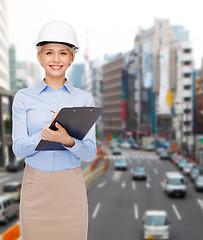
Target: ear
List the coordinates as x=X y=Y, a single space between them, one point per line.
x=39 y=58
x=71 y=61
x=72 y=58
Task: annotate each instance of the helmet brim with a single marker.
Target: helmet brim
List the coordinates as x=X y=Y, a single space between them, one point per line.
x=64 y=43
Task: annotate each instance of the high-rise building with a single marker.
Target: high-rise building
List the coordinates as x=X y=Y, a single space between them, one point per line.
x=27 y=74
x=162 y=71
x=184 y=95
x=4 y=65
x=12 y=68
x=114 y=99
x=76 y=75
x=148 y=44
x=6 y=97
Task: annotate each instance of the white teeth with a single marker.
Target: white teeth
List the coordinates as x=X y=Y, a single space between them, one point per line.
x=56 y=67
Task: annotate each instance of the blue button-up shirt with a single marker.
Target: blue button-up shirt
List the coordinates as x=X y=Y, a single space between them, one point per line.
x=31 y=113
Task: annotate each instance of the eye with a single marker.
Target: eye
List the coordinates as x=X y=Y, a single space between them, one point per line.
x=48 y=53
x=63 y=53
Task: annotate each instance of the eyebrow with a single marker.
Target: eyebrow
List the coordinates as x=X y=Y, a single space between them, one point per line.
x=60 y=50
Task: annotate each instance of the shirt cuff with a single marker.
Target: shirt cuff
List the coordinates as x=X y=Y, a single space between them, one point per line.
x=36 y=138
x=76 y=146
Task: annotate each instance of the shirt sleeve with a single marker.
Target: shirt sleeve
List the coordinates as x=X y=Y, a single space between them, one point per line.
x=85 y=149
x=23 y=144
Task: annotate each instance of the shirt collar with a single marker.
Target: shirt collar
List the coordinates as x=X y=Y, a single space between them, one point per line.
x=41 y=87
x=68 y=86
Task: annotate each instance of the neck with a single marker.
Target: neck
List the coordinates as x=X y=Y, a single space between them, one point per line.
x=55 y=83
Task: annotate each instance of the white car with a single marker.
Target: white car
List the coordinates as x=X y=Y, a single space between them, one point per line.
x=124 y=145
x=174 y=184
x=188 y=168
x=156 y=224
x=13 y=189
x=8 y=209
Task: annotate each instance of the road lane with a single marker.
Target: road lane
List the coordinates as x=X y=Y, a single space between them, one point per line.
x=120 y=216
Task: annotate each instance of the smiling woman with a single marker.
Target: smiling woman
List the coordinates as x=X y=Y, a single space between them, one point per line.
x=55 y=58
x=53 y=202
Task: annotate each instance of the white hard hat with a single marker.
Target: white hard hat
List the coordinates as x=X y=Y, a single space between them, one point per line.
x=58 y=31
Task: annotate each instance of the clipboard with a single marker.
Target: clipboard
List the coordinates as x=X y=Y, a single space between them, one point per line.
x=77 y=121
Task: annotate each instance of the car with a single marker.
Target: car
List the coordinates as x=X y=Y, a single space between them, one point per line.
x=174 y=184
x=177 y=158
x=164 y=155
x=156 y=224
x=173 y=156
x=15 y=165
x=139 y=172
x=121 y=164
x=8 y=209
x=13 y=189
x=187 y=168
x=198 y=183
x=116 y=151
x=114 y=143
x=149 y=147
x=124 y=144
x=159 y=150
x=181 y=163
x=195 y=171
x=135 y=146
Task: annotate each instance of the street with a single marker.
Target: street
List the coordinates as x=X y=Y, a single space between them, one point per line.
x=117 y=203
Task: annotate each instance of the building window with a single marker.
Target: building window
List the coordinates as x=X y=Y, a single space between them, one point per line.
x=160 y=41
x=187 y=87
x=187 y=75
x=187 y=50
x=160 y=25
x=186 y=63
x=187 y=99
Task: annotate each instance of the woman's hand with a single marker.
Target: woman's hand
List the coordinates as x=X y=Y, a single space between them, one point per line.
x=59 y=135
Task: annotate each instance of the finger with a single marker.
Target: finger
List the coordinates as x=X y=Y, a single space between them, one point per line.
x=58 y=125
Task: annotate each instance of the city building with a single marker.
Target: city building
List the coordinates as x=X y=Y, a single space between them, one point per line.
x=151 y=119
x=76 y=75
x=27 y=74
x=184 y=96
x=4 y=65
x=165 y=83
x=114 y=96
x=6 y=97
x=12 y=68
x=131 y=88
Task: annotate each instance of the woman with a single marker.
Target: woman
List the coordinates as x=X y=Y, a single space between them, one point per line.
x=53 y=201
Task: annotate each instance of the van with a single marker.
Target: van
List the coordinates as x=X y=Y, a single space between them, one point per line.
x=8 y=209
x=13 y=189
x=174 y=184
x=156 y=224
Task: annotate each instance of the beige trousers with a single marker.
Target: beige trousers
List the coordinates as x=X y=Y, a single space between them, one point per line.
x=53 y=205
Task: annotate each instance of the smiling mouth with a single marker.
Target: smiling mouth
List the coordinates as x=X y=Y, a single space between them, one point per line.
x=56 y=67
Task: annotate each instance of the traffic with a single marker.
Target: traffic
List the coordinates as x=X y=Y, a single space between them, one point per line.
x=146 y=196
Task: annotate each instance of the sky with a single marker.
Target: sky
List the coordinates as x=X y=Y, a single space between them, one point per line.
x=104 y=27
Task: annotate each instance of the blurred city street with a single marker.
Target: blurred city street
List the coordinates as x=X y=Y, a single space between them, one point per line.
x=117 y=202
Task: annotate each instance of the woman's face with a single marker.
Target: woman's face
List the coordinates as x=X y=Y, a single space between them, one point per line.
x=55 y=59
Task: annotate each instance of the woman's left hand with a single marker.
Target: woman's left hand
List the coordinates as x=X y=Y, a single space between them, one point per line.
x=59 y=135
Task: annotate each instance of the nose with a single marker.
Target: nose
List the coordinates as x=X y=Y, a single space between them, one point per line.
x=56 y=58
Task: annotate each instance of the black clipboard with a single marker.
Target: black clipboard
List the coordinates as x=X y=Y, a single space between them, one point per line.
x=77 y=121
